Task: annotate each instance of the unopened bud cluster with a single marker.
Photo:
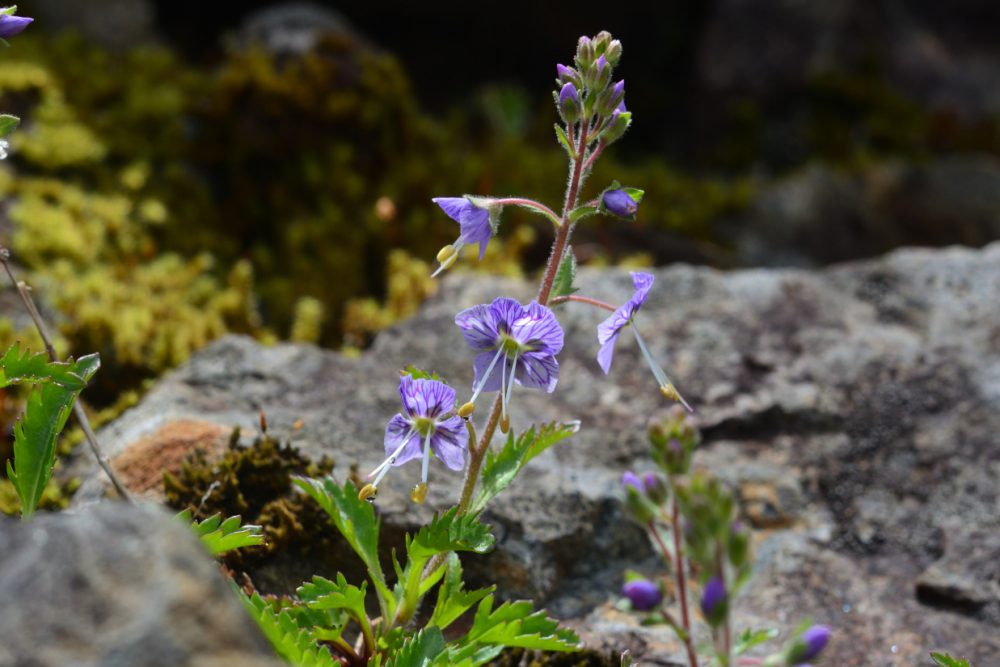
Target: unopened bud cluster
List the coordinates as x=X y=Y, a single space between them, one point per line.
x=673 y=441
x=586 y=94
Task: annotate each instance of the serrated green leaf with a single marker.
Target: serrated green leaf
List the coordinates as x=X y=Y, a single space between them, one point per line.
x=18 y=366
x=355 y=519
x=297 y=645
x=750 y=638
x=512 y=624
x=565 y=275
x=322 y=593
x=421 y=374
x=946 y=660
x=36 y=433
x=221 y=536
x=8 y=124
x=501 y=468
x=453 y=600
x=419 y=650
x=564 y=140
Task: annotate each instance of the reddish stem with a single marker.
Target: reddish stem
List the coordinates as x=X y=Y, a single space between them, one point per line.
x=681 y=588
x=583 y=299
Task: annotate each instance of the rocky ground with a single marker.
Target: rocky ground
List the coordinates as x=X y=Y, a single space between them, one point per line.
x=855 y=410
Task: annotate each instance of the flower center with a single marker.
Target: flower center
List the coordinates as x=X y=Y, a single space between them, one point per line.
x=423 y=426
x=512 y=347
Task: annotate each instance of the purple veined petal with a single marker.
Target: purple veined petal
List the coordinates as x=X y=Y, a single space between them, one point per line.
x=425 y=398
x=539 y=330
x=12 y=25
x=454 y=207
x=506 y=311
x=476 y=228
x=479 y=327
x=396 y=431
x=614 y=323
x=480 y=366
x=449 y=442
x=537 y=371
x=607 y=353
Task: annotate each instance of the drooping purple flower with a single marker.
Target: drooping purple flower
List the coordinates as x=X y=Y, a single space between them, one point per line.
x=620 y=203
x=428 y=423
x=809 y=645
x=474 y=225
x=713 y=600
x=643 y=594
x=12 y=25
x=608 y=330
x=514 y=343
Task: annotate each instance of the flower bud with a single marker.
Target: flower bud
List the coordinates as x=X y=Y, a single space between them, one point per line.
x=566 y=75
x=808 y=646
x=738 y=546
x=617 y=97
x=643 y=594
x=598 y=75
x=614 y=52
x=584 y=53
x=655 y=488
x=636 y=502
x=601 y=42
x=631 y=479
x=569 y=103
x=714 y=601
x=618 y=202
x=620 y=122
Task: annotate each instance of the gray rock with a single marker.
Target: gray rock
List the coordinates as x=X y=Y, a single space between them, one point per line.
x=111 y=585
x=853 y=408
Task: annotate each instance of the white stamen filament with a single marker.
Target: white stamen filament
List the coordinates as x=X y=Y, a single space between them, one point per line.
x=486 y=375
x=658 y=373
x=425 y=465
x=510 y=386
x=383 y=467
x=451 y=260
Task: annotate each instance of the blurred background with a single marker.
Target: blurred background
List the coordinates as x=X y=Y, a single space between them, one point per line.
x=188 y=169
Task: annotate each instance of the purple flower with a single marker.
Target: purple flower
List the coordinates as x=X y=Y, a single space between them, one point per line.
x=631 y=479
x=608 y=330
x=11 y=25
x=474 y=223
x=643 y=594
x=619 y=203
x=428 y=423
x=513 y=342
x=809 y=645
x=713 y=600
x=567 y=94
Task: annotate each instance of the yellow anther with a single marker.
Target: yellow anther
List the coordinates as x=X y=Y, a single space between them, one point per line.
x=419 y=493
x=504 y=424
x=466 y=409
x=367 y=492
x=670 y=392
x=446 y=254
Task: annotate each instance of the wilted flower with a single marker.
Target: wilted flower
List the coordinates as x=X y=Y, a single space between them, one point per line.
x=11 y=25
x=514 y=342
x=643 y=594
x=428 y=423
x=475 y=225
x=608 y=330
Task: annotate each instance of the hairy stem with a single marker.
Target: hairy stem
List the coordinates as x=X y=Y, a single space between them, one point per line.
x=532 y=204
x=81 y=415
x=583 y=299
x=681 y=582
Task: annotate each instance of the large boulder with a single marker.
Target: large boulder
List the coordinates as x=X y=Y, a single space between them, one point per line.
x=853 y=409
x=114 y=585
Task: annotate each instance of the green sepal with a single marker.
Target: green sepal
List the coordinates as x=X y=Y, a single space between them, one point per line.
x=8 y=11
x=17 y=366
x=946 y=660
x=36 y=433
x=750 y=638
x=421 y=374
x=564 y=140
x=356 y=521
x=501 y=468
x=453 y=600
x=8 y=124
x=221 y=536
x=565 y=275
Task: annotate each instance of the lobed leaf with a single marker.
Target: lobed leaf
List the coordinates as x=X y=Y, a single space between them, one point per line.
x=18 y=366
x=8 y=124
x=419 y=650
x=750 y=638
x=222 y=536
x=453 y=600
x=946 y=660
x=564 y=140
x=297 y=645
x=36 y=432
x=501 y=468
x=321 y=593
